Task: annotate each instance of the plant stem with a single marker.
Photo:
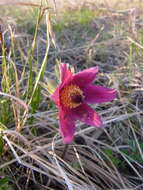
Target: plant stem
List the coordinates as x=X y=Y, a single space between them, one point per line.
x=65 y=151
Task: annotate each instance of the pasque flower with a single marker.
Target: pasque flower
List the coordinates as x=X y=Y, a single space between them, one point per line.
x=72 y=97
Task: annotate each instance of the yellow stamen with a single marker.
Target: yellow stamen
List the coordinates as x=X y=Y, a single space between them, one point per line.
x=71 y=96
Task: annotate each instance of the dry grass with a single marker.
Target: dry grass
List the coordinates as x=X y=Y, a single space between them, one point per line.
x=30 y=145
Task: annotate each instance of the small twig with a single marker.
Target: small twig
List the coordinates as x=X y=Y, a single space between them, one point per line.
x=12 y=149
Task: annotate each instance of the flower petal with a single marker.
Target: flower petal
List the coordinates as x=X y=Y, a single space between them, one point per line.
x=66 y=74
x=66 y=77
x=67 y=126
x=55 y=96
x=85 y=77
x=99 y=94
x=87 y=115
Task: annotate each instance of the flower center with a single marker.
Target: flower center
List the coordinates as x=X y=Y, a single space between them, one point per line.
x=71 y=96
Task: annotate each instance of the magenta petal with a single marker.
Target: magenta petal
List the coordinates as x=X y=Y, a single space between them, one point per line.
x=85 y=77
x=67 y=126
x=66 y=74
x=99 y=94
x=66 y=77
x=87 y=115
x=55 y=96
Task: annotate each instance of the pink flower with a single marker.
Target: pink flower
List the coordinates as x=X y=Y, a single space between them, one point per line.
x=72 y=97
